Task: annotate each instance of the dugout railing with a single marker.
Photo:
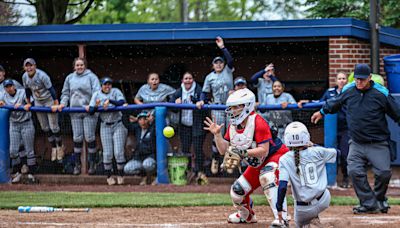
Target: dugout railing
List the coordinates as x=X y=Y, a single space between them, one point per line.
x=320 y=134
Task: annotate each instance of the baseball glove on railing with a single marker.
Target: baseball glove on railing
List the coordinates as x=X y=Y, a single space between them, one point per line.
x=232 y=159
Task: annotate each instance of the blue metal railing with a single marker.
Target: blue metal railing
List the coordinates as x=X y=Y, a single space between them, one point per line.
x=160 y=113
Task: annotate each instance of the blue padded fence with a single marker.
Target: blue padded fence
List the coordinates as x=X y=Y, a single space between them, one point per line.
x=161 y=143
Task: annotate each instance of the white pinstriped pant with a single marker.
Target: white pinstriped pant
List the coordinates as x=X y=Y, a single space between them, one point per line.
x=134 y=166
x=84 y=124
x=22 y=133
x=113 y=138
x=48 y=121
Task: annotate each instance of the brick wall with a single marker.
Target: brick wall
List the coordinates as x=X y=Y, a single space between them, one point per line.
x=345 y=52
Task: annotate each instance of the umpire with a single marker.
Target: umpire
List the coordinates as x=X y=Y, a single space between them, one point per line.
x=367 y=103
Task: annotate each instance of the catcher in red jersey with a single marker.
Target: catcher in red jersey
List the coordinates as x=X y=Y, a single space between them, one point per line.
x=249 y=138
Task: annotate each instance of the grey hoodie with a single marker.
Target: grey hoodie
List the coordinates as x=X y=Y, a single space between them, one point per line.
x=79 y=88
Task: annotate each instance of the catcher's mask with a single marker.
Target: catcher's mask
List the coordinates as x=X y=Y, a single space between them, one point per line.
x=296 y=135
x=240 y=104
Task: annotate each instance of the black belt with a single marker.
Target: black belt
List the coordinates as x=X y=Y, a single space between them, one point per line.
x=112 y=122
x=299 y=203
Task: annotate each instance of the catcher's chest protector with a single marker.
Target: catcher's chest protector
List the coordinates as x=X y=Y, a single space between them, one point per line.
x=245 y=140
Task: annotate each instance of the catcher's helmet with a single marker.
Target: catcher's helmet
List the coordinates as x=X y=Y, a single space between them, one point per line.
x=296 y=134
x=240 y=97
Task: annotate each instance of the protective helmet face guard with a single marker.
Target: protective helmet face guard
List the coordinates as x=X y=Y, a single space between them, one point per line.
x=240 y=97
x=296 y=135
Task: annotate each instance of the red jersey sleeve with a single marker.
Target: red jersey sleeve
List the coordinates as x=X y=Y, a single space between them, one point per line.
x=227 y=137
x=262 y=132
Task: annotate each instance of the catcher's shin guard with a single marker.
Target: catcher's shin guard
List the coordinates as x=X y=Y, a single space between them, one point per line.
x=268 y=183
x=241 y=202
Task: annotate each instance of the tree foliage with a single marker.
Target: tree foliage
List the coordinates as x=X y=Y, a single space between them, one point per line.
x=9 y=15
x=389 y=10
x=54 y=11
x=139 y=11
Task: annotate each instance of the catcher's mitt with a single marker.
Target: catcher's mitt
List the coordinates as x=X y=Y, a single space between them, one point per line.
x=232 y=159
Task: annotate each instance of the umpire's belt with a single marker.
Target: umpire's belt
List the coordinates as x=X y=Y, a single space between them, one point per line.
x=299 y=203
x=112 y=123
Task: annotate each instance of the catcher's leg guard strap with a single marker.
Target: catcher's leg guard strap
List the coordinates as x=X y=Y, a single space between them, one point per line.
x=239 y=190
x=268 y=183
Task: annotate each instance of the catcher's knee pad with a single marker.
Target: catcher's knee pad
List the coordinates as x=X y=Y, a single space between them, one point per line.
x=240 y=188
x=267 y=176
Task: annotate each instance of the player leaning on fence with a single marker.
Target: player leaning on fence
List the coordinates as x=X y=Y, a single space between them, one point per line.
x=367 y=103
x=78 y=89
x=112 y=132
x=248 y=137
x=38 y=84
x=21 y=130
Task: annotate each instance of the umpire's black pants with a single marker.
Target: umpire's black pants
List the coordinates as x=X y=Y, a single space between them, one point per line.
x=378 y=155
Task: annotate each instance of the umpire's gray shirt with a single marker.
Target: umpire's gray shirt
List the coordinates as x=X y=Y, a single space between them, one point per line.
x=18 y=98
x=312 y=181
x=79 y=88
x=114 y=94
x=147 y=95
x=39 y=84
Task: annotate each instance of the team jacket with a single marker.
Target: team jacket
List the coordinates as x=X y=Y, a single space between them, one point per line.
x=365 y=112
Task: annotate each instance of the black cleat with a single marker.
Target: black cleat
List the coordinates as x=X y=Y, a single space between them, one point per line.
x=383 y=206
x=364 y=210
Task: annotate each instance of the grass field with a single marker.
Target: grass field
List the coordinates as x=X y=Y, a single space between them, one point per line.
x=13 y=199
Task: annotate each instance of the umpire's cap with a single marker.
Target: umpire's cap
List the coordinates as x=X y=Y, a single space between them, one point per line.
x=219 y=58
x=362 y=70
x=106 y=80
x=8 y=82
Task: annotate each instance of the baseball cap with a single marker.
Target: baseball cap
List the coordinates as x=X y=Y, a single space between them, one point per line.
x=239 y=80
x=106 y=80
x=142 y=114
x=362 y=70
x=29 y=60
x=2 y=68
x=8 y=82
x=218 y=58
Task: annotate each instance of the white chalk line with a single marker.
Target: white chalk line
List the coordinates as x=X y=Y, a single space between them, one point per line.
x=360 y=220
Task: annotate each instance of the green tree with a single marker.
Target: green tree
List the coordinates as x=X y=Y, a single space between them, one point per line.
x=389 y=10
x=9 y=15
x=136 y=11
x=55 y=11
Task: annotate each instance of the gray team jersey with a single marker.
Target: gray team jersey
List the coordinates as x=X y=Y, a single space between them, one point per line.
x=312 y=180
x=114 y=94
x=264 y=88
x=79 y=88
x=219 y=85
x=147 y=95
x=16 y=84
x=18 y=98
x=279 y=118
x=39 y=84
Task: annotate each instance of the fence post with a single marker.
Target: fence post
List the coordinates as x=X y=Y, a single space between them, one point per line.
x=330 y=140
x=4 y=146
x=161 y=143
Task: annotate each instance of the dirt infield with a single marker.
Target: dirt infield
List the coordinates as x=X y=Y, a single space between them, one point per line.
x=335 y=216
x=184 y=217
